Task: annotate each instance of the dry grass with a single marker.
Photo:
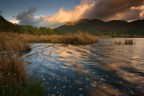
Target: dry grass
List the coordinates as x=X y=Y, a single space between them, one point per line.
x=126 y=42
x=12 y=70
x=129 y=42
x=12 y=75
x=10 y=65
x=85 y=38
x=10 y=42
x=78 y=38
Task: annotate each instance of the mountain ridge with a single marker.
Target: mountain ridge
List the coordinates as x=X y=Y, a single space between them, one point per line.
x=94 y=26
x=101 y=27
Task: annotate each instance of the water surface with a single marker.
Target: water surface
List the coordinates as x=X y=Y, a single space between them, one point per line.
x=101 y=69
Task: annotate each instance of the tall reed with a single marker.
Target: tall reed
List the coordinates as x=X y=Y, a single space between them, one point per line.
x=126 y=42
x=13 y=81
x=10 y=42
x=77 y=38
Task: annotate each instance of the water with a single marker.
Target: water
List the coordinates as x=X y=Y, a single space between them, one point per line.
x=101 y=69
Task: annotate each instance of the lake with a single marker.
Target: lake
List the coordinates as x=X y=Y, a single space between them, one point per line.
x=100 y=69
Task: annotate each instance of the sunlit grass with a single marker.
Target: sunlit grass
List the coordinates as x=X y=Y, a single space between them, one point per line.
x=77 y=38
x=12 y=42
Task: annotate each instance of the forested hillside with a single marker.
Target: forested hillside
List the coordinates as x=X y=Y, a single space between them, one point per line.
x=116 y=28
x=6 y=26
x=111 y=28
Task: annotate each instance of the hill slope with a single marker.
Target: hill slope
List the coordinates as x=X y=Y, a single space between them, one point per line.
x=95 y=26
x=6 y=26
x=104 y=28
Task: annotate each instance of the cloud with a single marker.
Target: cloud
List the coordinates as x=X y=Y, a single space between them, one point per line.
x=27 y=17
x=14 y=21
x=62 y=16
x=133 y=13
x=89 y=9
x=110 y=9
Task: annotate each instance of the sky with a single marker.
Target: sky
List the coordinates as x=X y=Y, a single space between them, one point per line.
x=53 y=13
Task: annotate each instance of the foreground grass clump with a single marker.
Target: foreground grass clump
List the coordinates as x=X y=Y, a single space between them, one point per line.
x=77 y=38
x=13 y=81
x=12 y=76
x=34 y=89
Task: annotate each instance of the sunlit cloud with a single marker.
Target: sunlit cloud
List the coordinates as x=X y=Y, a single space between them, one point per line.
x=14 y=21
x=72 y=15
x=63 y=15
x=131 y=14
x=141 y=9
x=88 y=9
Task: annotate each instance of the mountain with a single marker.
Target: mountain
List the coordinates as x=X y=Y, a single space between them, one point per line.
x=100 y=27
x=6 y=26
x=94 y=26
x=3 y=21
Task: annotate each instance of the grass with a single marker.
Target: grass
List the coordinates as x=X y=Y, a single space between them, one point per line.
x=34 y=89
x=10 y=42
x=13 y=81
x=77 y=38
x=129 y=42
x=12 y=76
x=126 y=42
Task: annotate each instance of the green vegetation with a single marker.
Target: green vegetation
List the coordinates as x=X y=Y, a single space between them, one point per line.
x=6 y=26
x=34 y=89
x=115 y=28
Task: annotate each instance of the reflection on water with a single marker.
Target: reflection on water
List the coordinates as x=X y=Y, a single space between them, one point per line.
x=102 y=69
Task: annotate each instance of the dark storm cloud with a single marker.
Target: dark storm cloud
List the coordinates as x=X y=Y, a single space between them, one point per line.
x=104 y=9
x=131 y=15
x=27 y=17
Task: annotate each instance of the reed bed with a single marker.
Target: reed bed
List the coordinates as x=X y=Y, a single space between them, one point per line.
x=126 y=42
x=10 y=42
x=12 y=71
x=78 y=38
x=13 y=81
x=129 y=42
